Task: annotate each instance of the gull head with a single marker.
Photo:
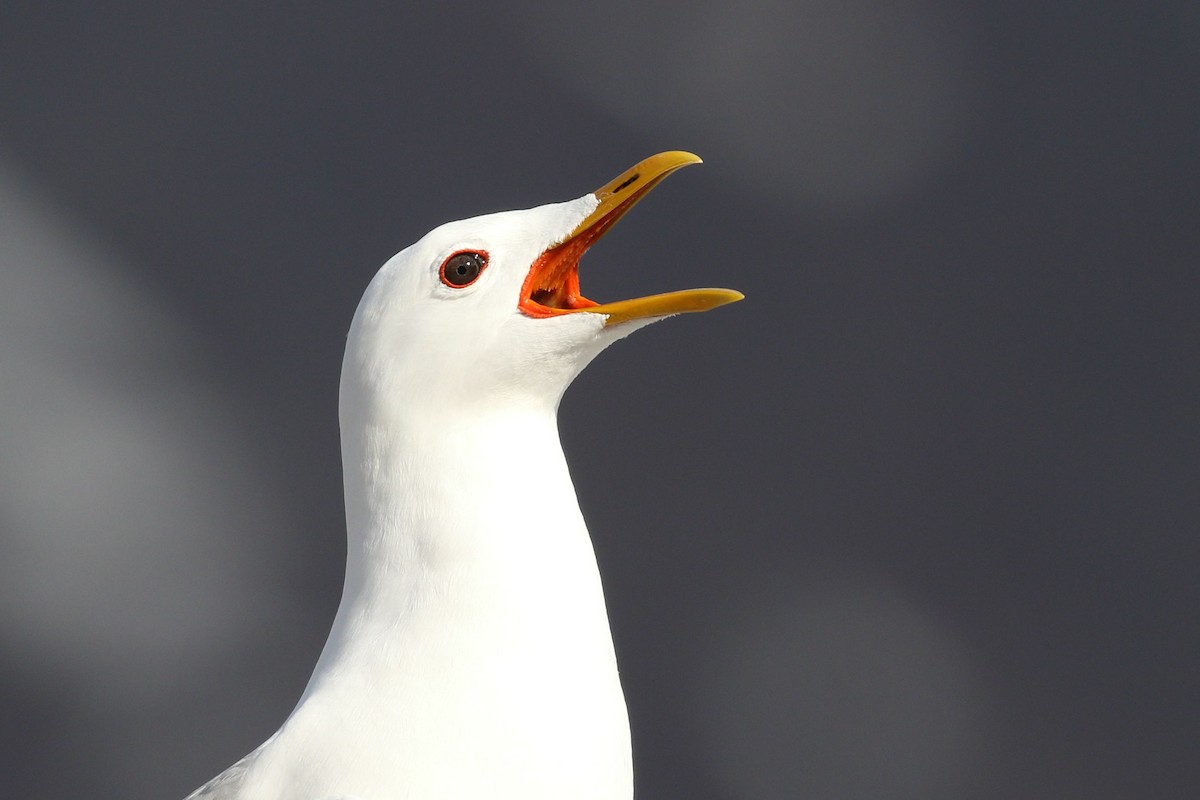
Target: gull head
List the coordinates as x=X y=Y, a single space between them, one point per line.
x=488 y=312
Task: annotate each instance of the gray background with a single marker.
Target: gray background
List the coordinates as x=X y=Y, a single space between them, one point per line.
x=918 y=519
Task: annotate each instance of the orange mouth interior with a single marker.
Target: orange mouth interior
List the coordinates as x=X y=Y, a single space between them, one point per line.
x=552 y=286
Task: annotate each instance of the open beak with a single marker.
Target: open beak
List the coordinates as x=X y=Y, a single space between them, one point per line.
x=552 y=286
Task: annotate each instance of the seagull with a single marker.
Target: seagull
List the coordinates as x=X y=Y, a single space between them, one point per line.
x=471 y=656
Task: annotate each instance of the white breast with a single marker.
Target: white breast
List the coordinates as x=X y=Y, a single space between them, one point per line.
x=471 y=656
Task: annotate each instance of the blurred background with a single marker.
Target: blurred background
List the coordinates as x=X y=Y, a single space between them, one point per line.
x=918 y=519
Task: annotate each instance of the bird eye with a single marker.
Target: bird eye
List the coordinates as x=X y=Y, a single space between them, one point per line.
x=461 y=269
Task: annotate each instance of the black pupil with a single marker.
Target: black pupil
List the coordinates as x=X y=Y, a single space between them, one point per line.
x=463 y=268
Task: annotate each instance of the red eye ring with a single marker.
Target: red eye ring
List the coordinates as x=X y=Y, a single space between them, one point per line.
x=463 y=268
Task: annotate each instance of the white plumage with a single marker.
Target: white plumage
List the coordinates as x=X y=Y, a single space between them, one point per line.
x=471 y=655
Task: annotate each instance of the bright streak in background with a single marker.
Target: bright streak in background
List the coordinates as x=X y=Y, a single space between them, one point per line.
x=813 y=677
x=840 y=105
x=126 y=483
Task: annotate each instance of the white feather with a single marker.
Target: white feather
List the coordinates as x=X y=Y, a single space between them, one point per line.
x=471 y=655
